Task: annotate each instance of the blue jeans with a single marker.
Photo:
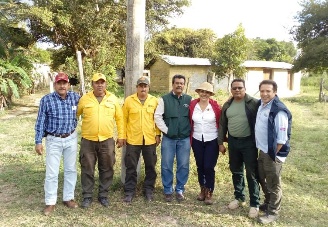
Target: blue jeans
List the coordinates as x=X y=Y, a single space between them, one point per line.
x=169 y=149
x=56 y=148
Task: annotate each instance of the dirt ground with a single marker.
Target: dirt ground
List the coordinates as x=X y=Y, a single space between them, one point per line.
x=25 y=106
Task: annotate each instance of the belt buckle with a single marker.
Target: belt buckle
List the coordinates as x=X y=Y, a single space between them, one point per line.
x=64 y=135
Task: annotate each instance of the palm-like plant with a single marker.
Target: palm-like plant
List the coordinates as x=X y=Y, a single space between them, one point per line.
x=13 y=79
x=14 y=40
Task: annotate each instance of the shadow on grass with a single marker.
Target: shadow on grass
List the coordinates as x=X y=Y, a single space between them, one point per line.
x=25 y=176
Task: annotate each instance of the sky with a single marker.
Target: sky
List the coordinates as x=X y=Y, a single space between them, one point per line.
x=260 y=18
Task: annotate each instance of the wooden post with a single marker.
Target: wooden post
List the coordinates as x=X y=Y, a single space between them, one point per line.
x=79 y=63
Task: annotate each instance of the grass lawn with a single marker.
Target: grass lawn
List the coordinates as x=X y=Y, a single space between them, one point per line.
x=304 y=177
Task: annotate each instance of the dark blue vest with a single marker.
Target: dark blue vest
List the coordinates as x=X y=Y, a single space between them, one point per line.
x=277 y=106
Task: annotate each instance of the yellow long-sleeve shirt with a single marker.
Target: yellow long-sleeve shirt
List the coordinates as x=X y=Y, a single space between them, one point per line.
x=98 y=118
x=139 y=120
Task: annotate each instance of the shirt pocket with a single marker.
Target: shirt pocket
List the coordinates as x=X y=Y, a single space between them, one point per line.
x=150 y=112
x=149 y=120
x=134 y=124
x=134 y=117
x=89 y=110
x=109 y=109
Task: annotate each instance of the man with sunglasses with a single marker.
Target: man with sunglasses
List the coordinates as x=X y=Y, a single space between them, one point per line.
x=237 y=121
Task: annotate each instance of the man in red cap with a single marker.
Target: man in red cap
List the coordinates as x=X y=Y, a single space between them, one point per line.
x=57 y=122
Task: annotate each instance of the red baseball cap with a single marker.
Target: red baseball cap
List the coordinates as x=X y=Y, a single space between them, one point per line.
x=61 y=76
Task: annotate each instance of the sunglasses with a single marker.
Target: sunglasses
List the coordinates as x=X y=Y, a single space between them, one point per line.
x=235 y=88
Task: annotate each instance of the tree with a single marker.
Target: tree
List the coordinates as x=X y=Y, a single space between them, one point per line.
x=311 y=33
x=182 y=42
x=230 y=53
x=272 y=50
x=97 y=30
x=14 y=41
x=13 y=78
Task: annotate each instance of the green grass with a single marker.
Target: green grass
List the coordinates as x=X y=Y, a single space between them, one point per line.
x=304 y=180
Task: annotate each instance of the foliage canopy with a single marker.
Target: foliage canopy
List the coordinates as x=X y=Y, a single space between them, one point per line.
x=230 y=53
x=312 y=36
x=181 y=42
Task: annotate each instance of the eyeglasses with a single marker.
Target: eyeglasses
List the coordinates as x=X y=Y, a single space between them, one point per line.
x=235 y=88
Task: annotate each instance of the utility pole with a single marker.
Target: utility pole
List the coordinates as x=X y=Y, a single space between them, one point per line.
x=135 y=42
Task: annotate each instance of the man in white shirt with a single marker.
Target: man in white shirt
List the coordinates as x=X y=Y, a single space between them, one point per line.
x=272 y=134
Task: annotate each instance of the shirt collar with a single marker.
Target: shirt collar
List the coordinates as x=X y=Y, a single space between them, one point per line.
x=269 y=104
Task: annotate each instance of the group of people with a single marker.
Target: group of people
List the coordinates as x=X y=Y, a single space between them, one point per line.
x=257 y=133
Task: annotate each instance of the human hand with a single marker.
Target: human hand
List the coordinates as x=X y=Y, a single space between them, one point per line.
x=119 y=143
x=222 y=149
x=39 y=149
x=158 y=140
x=124 y=142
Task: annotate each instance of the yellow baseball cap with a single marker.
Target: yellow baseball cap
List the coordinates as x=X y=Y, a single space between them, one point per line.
x=98 y=76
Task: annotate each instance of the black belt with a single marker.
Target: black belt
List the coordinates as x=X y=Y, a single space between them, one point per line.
x=240 y=138
x=61 y=135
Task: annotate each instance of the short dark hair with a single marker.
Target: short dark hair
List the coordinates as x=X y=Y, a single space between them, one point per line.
x=178 y=76
x=270 y=82
x=237 y=80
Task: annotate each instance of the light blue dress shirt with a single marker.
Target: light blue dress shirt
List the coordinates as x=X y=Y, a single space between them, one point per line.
x=261 y=128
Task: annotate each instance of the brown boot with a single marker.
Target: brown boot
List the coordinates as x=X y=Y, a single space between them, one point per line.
x=201 y=196
x=208 y=196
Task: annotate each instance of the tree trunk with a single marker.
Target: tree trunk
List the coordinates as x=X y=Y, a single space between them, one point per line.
x=230 y=77
x=79 y=63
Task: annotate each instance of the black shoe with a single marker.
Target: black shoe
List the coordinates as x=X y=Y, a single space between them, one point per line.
x=86 y=202
x=103 y=201
x=149 y=197
x=263 y=207
x=128 y=199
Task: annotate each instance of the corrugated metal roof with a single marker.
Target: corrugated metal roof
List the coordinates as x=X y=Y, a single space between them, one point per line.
x=174 y=60
x=267 y=64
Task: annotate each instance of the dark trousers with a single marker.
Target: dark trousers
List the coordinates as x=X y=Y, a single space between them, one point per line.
x=90 y=153
x=206 y=155
x=131 y=161
x=270 y=179
x=243 y=154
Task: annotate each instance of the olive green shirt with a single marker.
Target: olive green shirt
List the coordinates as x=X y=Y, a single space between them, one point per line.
x=238 y=125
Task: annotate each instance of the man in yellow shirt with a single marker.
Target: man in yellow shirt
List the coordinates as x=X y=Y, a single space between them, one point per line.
x=141 y=135
x=99 y=109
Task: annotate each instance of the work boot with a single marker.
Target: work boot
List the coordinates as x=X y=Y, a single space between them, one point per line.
x=208 y=196
x=86 y=202
x=201 y=196
x=48 y=209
